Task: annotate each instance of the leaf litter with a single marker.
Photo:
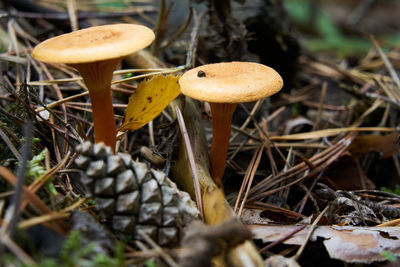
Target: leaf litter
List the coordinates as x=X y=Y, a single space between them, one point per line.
x=338 y=121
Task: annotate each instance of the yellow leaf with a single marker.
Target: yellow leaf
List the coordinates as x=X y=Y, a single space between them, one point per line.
x=151 y=97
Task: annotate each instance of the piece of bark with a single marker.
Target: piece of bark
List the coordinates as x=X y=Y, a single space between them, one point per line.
x=201 y=243
x=216 y=208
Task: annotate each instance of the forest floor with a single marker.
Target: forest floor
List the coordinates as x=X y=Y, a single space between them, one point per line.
x=313 y=172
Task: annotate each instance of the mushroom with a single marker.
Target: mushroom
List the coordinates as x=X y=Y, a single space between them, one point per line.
x=224 y=85
x=95 y=52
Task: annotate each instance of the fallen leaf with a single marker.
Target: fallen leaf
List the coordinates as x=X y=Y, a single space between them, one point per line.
x=278 y=260
x=346 y=243
x=385 y=144
x=151 y=97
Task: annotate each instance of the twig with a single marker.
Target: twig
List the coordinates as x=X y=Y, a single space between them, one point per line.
x=283 y=239
x=267 y=143
x=61 y=101
x=160 y=30
x=330 y=132
x=359 y=12
x=244 y=132
x=10 y=145
x=64 y=213
x=249 y=176
x=394 y=222
x=384 y=98
x=309 y=195
x=192 y=162
x=168 y=259
x=247 y=121
x=118 y=72
x=22 y=255
x=181 y=30
x=240 y=146
x=12 y=212
x=165 y=71
x=320 y=106
x=72 y=14
x=151 y=134
x=313 y=226
x=15 y=59
x=388 y=65
x=392 y=94
x=190 y=56
x=13 y=36
x=80 y=15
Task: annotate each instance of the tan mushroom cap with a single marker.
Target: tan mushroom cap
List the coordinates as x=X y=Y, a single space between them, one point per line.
x=94 y=44
x=230 y=82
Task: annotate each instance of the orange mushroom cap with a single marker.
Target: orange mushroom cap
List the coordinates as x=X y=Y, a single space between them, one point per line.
x=94 y=44
x=230 y=82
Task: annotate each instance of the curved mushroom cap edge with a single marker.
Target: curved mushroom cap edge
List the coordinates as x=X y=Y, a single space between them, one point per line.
x=230 y=82
x=94 y=44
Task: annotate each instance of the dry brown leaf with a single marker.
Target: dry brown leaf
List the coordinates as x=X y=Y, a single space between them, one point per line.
x=386 y=144
x=346 y=243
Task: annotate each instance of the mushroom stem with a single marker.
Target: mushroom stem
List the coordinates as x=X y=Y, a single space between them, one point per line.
x=221 y=114
x=97 y=77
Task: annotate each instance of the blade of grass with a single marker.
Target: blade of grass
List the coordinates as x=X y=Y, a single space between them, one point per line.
x=33 y=200
x=12 y=213
x=64 y=213
x=330 y=132
x=118 y=72
x=249 y=177
x=192 y=162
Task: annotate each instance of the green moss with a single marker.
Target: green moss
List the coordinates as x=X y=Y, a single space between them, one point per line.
x=72 y=254
x=396 y=190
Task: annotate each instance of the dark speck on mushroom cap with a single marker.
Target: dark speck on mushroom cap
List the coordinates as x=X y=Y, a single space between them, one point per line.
x=201 y=74
x=94 y=44
x=231 y=82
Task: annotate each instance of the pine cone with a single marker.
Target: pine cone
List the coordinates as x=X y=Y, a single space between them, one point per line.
x=131 y=196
